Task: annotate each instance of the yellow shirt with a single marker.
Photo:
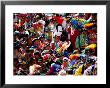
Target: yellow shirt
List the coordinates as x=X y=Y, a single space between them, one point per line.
x=88 y=25
x=73 y=56
x=91 y=46
x=78 y=71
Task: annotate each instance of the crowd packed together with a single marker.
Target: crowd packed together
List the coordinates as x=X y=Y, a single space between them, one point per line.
x=55 y=44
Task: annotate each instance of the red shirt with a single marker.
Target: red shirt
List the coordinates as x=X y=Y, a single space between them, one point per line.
x=36 y=25
x=15 y=26
x=59 y=20
x=73 y=36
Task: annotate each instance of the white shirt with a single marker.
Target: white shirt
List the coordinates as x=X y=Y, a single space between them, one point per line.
x=88 y=70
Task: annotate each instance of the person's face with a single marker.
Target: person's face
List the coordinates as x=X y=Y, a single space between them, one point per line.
x=48 y=48
x=16 y=52
x=65 y=62
x=57 y=38
x=87 y=65
x=37 y=42
x=40 y=63
x=87 y=15
x=42 y=39
x=34 y=62
x=78 y=23
x=36 y=56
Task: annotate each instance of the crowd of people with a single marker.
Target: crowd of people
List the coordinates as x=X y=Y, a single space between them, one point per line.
x=55 y=44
